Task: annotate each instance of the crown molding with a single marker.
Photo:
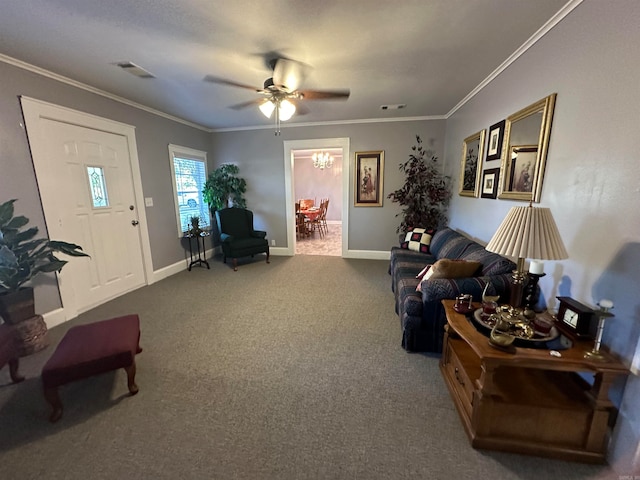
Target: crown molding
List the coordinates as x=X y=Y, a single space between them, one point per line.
x=541 y=32
x=83 y=86
x=333 y=122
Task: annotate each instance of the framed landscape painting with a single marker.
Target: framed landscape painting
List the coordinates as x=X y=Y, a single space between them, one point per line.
x=369 y=170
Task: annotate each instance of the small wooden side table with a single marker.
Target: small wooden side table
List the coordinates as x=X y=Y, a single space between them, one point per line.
x=199 y=256
x=527 y=400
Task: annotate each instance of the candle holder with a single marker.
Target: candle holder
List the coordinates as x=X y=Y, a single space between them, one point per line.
x=531 y=292
x=603 y=314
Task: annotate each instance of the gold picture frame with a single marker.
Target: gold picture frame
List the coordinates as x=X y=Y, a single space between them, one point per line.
x=527 y=134
x=471 y=168
x=369 y=178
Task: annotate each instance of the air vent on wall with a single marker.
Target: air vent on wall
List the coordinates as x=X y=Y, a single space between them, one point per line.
x=397 y=106
x=134 y=69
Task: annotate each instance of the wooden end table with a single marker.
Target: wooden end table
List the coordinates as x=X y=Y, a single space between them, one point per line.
x=528 y=401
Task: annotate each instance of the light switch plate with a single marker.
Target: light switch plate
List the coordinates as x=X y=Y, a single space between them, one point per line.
x=148 y=201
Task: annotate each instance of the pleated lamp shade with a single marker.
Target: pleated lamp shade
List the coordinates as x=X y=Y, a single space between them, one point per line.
x=528 y=232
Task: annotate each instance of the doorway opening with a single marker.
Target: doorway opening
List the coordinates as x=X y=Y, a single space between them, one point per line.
x=317 y=184
x=304 y=181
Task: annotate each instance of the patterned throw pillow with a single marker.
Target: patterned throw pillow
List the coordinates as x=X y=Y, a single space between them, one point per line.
x=417 y=240
x=447 y=268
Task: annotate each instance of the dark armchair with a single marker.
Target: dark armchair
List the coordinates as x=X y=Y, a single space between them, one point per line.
x=237 y=235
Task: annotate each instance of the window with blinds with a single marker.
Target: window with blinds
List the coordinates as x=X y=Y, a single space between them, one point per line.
x=189 y=169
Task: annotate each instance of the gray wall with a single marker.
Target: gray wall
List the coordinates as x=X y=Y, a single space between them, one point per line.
x=592 y=177
x=153 y=135
x=260 y=156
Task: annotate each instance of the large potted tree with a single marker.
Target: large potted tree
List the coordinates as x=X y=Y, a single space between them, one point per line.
x=425 y=194
x=22 y=258
x=224 y=188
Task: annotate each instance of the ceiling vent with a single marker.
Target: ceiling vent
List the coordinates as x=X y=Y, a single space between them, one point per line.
x=134 y=69
x=397 y=106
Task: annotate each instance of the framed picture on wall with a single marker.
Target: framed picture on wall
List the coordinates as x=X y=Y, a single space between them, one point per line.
x=471 y=169
x=369 y=171
x=490 y=179
x=496 y=137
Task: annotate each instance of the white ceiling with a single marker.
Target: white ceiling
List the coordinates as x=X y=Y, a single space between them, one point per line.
x=427 y=54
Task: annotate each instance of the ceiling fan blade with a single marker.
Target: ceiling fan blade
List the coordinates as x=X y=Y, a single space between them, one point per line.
x=288 y=74
x=302 y=109
x=324 y=94
x=240 y=106
x=223 y=81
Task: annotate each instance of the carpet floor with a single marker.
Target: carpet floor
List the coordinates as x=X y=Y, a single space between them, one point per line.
x=291 y=370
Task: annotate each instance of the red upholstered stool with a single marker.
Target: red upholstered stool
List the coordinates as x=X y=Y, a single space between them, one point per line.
x=92 y=349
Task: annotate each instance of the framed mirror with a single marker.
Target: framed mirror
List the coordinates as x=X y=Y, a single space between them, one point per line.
x=526 y=139
x=471 y=169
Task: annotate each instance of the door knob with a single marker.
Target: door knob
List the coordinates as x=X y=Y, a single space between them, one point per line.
x=134 y=222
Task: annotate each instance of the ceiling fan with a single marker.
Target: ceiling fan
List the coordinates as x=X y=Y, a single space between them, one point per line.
x=280 y=92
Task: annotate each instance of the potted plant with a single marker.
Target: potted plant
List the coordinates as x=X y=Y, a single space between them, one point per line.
x=195 y=230
x=23 y=257
x=224 y=188
x=425 y=193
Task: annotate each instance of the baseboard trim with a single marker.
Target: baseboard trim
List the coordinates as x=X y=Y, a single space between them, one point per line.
x=55 y=318
x=368 y=254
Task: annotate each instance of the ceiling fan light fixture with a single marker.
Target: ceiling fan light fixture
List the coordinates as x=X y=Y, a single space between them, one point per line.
x=267 y=108
x=286 y=110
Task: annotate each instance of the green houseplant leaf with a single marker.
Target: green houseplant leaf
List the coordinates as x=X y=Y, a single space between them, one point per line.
x=224 y=186
x=22 y=257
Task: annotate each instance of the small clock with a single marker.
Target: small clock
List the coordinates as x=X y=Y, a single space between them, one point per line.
x=575 y=317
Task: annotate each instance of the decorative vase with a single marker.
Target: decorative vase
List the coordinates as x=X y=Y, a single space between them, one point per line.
x=18 y=306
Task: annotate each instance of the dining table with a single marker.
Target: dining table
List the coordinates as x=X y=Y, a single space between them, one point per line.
x=311 y=213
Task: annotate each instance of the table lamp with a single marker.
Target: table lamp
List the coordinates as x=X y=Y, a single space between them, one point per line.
x=527 y=232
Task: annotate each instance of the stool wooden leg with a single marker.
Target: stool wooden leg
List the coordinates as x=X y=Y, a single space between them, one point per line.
x=51 y=394
x=131 y=378
x=13 y=371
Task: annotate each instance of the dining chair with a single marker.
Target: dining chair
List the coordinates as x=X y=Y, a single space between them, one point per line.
x=323 y=215
x=302 y=223
x=318 y=223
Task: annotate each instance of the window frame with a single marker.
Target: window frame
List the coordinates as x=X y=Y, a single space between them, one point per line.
x=186 y=153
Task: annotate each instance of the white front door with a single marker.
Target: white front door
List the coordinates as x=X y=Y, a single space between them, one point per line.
x=87 y=189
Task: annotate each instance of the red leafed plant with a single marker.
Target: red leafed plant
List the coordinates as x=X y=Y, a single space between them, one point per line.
x=425 y=194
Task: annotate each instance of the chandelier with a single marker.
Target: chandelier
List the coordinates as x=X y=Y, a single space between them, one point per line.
x=322 y=160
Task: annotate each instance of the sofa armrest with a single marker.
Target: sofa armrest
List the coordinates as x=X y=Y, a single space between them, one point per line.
x=435 y=290
x=226 y=238
x=259 y=234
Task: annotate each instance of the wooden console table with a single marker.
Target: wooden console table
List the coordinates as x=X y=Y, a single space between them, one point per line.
x=528 y=401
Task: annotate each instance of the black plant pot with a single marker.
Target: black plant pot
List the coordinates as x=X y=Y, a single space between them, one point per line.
x=16 y=307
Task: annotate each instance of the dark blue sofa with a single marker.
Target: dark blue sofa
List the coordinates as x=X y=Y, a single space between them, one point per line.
x=421 y=314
